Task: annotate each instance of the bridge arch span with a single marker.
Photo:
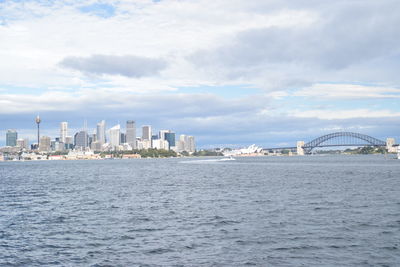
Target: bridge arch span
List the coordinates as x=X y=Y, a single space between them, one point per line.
x=319 y=142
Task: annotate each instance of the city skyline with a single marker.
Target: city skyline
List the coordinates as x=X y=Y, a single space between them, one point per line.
x=102 y=138
x=230 y=73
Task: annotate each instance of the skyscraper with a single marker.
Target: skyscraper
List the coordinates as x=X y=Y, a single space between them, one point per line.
x=131 y=133
x=161 y=134
x=81 y=140
x=63 y=131
x=191 y=144
x=170 y=137
x=122 y=139
x=44 y=144
x=115 y=136
x=146 y=132
x=11 y=138
x=101 y=132
x=186 y=143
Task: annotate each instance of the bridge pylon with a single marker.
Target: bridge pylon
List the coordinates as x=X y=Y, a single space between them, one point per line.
x=389 y=145
x=300 y=149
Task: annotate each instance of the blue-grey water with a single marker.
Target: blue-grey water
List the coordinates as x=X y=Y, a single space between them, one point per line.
x=265 y=211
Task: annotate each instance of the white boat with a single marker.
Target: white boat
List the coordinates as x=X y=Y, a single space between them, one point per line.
x=227 y=159
x=398 y=152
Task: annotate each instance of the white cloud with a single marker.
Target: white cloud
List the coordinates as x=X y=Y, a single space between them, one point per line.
x=348 y=91
x=344 y=114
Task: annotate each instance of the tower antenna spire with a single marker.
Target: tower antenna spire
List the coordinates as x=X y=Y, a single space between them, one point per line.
x=38 y=121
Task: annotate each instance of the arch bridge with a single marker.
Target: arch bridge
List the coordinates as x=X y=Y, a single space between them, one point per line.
x=343 y=139
x=338 y=139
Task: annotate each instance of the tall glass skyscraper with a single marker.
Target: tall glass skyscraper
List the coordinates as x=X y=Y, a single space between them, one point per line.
x=63 y=131
x=81 y=139
x=170 y=137
x=131 y=133
x=101 y=132
x=11 y=138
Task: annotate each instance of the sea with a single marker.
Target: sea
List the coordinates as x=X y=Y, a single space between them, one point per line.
x=334 y=210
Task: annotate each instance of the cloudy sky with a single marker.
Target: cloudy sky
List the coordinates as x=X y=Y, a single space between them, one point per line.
x=238 y=72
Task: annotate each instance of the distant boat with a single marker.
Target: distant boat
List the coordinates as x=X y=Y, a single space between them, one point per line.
x=227 y=159
x=398 y=152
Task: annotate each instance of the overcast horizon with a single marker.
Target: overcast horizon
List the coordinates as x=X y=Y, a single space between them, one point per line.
x=229 y=73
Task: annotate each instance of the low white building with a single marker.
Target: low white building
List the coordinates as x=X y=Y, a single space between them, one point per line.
x=160 y=144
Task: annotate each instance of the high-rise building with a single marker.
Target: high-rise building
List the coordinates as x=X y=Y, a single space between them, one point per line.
x=69 y=142
x=92 y=138
x=161 y=134
x=101 y=132
x=115 y=136
x=63 y=131
x=44 y=144
x=131 y=133
x=11 y=138
x=122 y=139
x=26 y=143
x=186 y=143
x=146 y=132
x=81 y=140
x=191 y=144
x=21 y=143
x=170 y=137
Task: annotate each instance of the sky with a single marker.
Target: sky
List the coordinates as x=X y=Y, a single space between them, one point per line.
x=229 y=72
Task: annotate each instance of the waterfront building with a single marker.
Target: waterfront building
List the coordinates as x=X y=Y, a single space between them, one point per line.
x=101 y=132
x=21 y=143
x=131 y=133
x=59 y=146
x=183 y=142
x=170 y=137
x=180 y=146
x=389 y=145
x=81 y=140
x=160 y=144
x=126 y=146
x=63 y=131
x=69 y=142
x=143 y=144
x=146 y=132
x=96 y=146
x=11 y=138
x=191 y=144
x=186 y=143
x=115 y=136
x=45 y=144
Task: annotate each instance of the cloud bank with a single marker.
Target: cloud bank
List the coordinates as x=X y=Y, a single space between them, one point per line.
x=262 y=71
x=129 y=66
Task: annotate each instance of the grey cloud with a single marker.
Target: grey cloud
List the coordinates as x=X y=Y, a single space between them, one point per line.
x=129 y=66
x=348 y=34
